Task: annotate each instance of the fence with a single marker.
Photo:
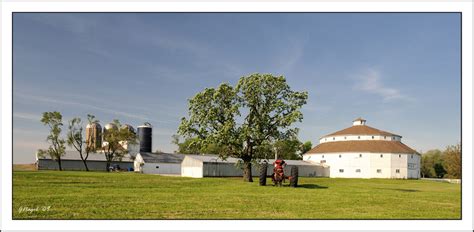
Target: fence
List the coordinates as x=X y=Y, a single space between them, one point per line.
x=453 y=181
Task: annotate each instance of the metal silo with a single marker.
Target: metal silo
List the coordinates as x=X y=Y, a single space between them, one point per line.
x=144 y=136
x=107 y=127
x=128 y=127
x=93 y=136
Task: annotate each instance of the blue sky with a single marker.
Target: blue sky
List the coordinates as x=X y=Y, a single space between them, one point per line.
x=401 y=72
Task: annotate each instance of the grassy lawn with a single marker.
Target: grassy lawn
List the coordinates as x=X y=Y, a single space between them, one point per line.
x=100 y=195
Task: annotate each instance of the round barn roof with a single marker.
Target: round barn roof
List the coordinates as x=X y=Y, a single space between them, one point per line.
x=361 y=138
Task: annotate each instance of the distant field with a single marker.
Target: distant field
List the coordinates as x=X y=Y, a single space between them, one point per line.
x=24 y=167
x=97 y=195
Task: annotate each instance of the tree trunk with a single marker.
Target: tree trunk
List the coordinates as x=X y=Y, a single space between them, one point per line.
x=85 y=164
x=59 y=163
x=107 y=166
x=248 y=171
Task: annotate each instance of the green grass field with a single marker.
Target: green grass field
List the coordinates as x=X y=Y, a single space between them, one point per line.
x=100 y=195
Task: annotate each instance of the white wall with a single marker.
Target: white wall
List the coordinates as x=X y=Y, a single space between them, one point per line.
x=414 y=162
x=359 y=138
x=196 y=168
x=380 y=165
x=138 y=163
x=156 y=168
x=348 y=162
x=371 y=165
x=399 y=162
x=162 y=168
x=191 y=167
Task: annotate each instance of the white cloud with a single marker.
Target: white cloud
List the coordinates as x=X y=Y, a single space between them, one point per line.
x=293 y=57
x=27 y=116
x=370 y=82
x=289 y=56
x=75 y=23
x=83 y=105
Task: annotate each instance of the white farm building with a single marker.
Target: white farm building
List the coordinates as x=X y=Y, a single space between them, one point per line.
x=361 y=151
x=158 y=163
x=199 y=166
x=71 y=161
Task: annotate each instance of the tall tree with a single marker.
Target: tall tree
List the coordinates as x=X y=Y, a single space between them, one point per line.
x=75 y=138
x=242 y=119
x=115 y=139
x=57 y=148
x=452 y=161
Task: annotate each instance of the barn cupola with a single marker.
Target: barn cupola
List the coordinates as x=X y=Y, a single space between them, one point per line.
x=358 y=122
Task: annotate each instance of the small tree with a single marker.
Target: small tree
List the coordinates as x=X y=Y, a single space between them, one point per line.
x=305 y=147
x=57 y=148
x=115 y=139
x=75 y=138
x=241 y=120
x=439 y=170
x=452 y=161
x=432 y=164
x=427 y=167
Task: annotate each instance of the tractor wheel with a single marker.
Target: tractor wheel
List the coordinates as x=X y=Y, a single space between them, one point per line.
x=294 y=177
x=263 y=174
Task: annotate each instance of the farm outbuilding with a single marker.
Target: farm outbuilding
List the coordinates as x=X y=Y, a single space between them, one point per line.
x=199 y=166
x=158 y=163
x=71 y=161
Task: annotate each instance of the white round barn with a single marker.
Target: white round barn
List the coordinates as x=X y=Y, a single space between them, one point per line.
x=361 y=151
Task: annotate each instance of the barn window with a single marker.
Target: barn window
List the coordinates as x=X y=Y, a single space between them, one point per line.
x=357 y=170
x=358 y=137
x=345 y=137
x=341 y=170
x=412 y=156
x=333 y=138
x=373 y=137
x=399 y=156
x=322 y=156
x=379 y=170
x=381 y=155
x=397 y=170
x=385 y=137
x=360 y=155
x=157 y=166
x=340 y=156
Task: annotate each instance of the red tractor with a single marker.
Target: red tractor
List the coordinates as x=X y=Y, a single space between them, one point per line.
x=278 y=176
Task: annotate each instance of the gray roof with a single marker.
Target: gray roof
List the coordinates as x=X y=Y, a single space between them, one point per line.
x=213 y=159
x=149 y=157
x=74 y=155
x=216 y=159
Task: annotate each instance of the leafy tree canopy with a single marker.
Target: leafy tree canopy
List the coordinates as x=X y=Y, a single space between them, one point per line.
x=240 y=120
x=57 y=146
